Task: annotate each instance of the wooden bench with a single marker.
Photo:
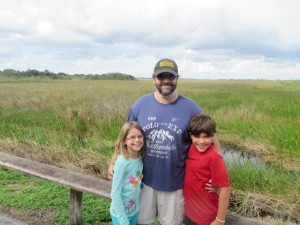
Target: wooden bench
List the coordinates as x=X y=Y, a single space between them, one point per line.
x=79 y=183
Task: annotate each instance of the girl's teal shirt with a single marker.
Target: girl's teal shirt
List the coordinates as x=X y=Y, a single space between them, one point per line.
x=126 y=188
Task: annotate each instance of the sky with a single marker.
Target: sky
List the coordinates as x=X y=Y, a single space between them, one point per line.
x=209 y=39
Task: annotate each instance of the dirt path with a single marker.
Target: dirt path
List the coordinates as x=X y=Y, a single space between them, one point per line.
x=6 y=219
x=11 y=216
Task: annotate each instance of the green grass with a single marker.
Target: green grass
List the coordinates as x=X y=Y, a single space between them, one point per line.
x=265 y=111
x=26 y=193
x=71 y=112
x=283 y=184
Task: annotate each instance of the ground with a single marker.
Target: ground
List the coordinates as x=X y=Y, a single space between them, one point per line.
x=31 y=217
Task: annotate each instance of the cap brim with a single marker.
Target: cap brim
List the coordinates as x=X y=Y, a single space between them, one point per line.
x=164 y=70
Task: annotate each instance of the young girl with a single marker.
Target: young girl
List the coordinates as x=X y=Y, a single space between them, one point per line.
x=127 y=180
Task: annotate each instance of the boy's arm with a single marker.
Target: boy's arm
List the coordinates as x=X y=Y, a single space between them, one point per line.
x=223 y=206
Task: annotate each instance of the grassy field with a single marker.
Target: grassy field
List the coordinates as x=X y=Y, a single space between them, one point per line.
x=73 y=124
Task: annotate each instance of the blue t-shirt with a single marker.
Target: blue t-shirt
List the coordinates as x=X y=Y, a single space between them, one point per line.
x=167 y=139
x=126 y=188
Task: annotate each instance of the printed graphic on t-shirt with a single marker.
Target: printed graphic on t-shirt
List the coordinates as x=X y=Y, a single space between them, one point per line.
x=160 y=138
x=131 y=207
x=136 y=179
x=135 y=182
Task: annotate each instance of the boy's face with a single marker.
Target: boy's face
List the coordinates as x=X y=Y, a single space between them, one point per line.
x=202 y=142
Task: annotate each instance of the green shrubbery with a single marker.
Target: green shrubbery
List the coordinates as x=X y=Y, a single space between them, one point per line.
x=35 y=75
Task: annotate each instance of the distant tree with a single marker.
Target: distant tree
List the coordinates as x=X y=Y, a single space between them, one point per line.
x=116 y=76
x=46 y=74
x=31 y=73
x=9 y=72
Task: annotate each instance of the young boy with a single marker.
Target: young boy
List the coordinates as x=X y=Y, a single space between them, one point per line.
x=204 y=163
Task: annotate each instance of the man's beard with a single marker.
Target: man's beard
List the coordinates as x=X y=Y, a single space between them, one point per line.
x=166 y=92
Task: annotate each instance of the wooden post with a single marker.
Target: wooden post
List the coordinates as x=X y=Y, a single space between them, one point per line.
x=75 y=207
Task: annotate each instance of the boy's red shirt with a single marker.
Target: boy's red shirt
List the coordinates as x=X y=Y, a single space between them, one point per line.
x=200 y=205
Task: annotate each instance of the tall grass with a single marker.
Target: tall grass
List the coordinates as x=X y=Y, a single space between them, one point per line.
x=262 y=116
x=261 y=111
x=83 y=115
x=264 y=180
x=77 y=114
x=72 y=114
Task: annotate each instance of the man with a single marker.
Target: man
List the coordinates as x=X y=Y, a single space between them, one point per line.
x=164 y=116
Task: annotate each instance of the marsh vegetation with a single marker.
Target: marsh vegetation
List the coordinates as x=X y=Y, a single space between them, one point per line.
x=74 y=123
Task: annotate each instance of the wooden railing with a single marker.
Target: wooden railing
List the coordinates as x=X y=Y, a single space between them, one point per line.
x=78 y=184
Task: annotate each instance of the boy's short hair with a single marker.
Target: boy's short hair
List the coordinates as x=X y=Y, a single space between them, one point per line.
x=202 y=123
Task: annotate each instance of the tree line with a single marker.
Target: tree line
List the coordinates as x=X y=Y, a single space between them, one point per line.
x=46 y=74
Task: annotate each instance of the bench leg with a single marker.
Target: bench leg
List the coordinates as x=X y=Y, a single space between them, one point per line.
x=75 y=207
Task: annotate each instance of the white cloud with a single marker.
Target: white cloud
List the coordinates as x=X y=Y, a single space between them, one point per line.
x=215 y=39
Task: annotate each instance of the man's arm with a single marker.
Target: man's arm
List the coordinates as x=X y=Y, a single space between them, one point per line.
x=217 y=144
x=218 y=148
x=110 y=172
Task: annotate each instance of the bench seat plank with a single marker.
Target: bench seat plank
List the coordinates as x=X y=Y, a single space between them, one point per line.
x=77 y=181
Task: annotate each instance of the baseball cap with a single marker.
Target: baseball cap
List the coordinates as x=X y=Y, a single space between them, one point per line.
x=166 y=66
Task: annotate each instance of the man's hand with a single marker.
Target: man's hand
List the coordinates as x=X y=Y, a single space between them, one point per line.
x=110 y=172
x=210 y=188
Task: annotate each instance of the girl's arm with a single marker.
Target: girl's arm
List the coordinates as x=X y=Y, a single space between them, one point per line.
x=117 y=206
x=223 y=206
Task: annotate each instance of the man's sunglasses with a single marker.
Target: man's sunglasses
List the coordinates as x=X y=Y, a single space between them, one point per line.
x=163 y=76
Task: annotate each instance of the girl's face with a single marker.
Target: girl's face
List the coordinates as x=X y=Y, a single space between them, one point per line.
x=134 y=142
x=202 y=142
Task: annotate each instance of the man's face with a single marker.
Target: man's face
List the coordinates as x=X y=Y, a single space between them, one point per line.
x=165 y=83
